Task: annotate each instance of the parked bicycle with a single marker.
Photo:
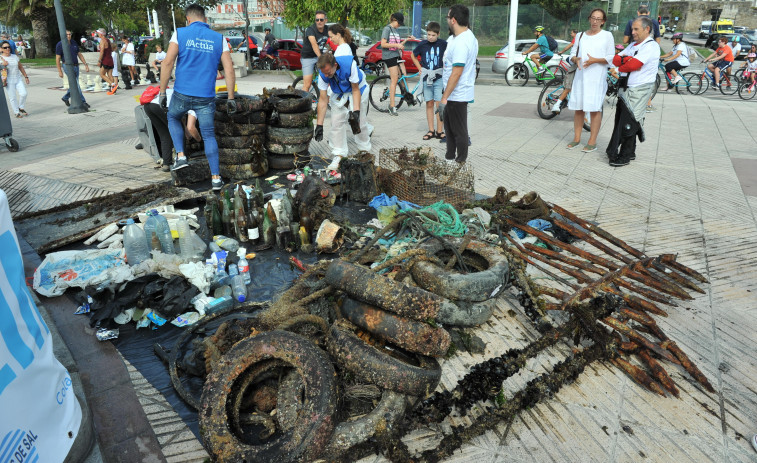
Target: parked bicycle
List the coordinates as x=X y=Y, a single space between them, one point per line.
x=314 y=93
x=379 y=92
x=518 y=74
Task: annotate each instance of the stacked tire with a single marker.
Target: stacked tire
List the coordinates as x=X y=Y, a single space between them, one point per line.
x=241 y=138
x=290 y=129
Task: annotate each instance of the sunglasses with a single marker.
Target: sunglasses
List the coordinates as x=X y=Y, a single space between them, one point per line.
x=5 y=48
x=320 y=20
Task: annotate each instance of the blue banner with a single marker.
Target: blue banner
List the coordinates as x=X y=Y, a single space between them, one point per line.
x=417 y=21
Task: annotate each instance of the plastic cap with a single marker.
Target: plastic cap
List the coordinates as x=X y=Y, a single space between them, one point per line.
x=241 y=252
x=241 y=298
x=154 y=211
x=129 y=221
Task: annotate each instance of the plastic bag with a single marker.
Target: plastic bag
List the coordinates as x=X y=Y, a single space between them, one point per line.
x=78 y=269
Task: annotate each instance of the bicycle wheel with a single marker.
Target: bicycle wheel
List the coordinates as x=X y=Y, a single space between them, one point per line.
x=690 y=85
x=739 y=74
x=557 y=71
x=297 y=84
x=282 y=64
x=379 y=94
x=729 y=85
x=517 y=75
x=747 y=90
x=549 y=94
x=703 y=83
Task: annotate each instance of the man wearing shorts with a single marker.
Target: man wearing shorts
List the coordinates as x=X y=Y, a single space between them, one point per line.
x=545 y=54
x=431 y=54
x=720 y=61
x=316 y=36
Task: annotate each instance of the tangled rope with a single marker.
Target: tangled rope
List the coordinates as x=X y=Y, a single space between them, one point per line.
x=441 y=219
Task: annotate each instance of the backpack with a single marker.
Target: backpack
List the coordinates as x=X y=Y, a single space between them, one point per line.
x=275 y=44
x=552 y=43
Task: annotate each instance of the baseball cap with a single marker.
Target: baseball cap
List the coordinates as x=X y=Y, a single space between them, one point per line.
x=399 y=17
x=101 y=31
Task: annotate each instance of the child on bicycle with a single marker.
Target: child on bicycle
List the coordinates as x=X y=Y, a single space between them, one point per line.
x=720 y=61
x=544 y=55
x=751 y=67
x=431 y=54
x=677 y=59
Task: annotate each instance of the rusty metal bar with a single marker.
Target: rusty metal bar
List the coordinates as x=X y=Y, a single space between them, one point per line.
x=568 y=260
x=594 y=286
x=637 y=316
x=658 y=372
x=686 y=363
x=670 y=260
x=636 y=337
x=677 y=277
x=594 y=242
x=635 y=302
x=521 y=255
x=639 y=375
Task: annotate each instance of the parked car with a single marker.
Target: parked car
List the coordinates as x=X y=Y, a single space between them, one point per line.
x=500 y=59
x=291 y=51
x=361 y=39
x=739 y=29
x=746 y=44
x=373 y=55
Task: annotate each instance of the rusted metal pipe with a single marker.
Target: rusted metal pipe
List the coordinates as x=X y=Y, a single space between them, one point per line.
x=670 y=260
x=640 y=376
x=659 y=372
x=686 y=363
x=636 y=337
x=592 y=241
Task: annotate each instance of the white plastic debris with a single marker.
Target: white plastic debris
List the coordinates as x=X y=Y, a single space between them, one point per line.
x=102 y=234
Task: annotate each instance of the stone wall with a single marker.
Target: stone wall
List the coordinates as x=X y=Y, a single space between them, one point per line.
x=693 y=13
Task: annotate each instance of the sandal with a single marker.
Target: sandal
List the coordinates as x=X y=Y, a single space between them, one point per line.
x=573 y=144
x=429 y=135
x=19 y=115
x=441 y=136
x=23 y=112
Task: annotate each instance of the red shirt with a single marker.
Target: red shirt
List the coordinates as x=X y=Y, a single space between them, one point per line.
x=728 y=53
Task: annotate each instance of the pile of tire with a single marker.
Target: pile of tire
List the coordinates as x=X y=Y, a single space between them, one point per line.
x=241 y=138
x=290 y=128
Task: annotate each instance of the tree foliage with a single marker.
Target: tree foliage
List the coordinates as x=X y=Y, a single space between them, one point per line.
x=562 y=9
x=367 y=13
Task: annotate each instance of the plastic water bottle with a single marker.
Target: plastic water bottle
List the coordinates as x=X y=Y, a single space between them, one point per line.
x=135 y=243
x=219 y=303
x=233 y=270
x=244 y=266
x=151 y=224
x=222 y=291
x=185 y=240
x=164 y=234
x=229 y=244
x=238 y=288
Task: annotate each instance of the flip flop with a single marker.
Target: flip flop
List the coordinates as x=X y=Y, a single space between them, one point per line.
x=589 y=148
x=573 y=144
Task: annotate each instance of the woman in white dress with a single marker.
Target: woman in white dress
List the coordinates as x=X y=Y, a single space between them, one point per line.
x=16 y=78
x=593 y=54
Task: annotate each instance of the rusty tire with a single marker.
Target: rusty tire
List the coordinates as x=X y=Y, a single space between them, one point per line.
x=244 y=171
x=376 y=367
x=290 y=135
x=240 y=142
x=349 y=433
x=289 y=100
x=229 y=156
x=295 y=119
x=474 y=286
x=417 y=337
x=231 y=129
x=280 y=148
x=288 y=161
x=253 y=117
x=245 y=104
x=309 y=436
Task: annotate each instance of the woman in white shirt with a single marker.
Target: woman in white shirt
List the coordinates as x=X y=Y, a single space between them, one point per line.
x=127 y=57
x=15 y=81
x=593 y=54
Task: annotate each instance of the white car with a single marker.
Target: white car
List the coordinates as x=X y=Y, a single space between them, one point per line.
x=500 y=59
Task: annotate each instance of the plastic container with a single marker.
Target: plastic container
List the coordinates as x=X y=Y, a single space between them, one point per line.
x=233 y=270
x=238 y=288
x=229 y=244
x=185 y=240
x=157 y=224
x=222 y=291
x=135 y=243
x=151 y=224
x=244 y=266
x=219 y=303
x=198 y=245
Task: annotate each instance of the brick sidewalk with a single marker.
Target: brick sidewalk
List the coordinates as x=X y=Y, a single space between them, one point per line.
x=691 y=191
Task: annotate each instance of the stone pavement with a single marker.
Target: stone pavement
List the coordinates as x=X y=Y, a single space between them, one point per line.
x=691 y=191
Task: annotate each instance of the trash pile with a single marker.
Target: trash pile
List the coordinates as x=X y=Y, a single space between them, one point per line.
x=347 y=361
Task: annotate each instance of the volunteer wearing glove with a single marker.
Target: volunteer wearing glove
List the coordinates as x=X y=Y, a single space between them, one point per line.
x=343 y=85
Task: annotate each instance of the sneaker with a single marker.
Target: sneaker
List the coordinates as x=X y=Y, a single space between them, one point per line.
x=557 y=107
x=393 y=111
x=754 y=442
x=541 y=71
x=86 y=105
x=619 y=163
x=451 y=162
x=334 y=163
x=651 y=109
x=667 y=89
x=469 y=142
x=65 y=101
x=165 y=168
x=138 y=146
x=216 y=184
x=180 y=163
x=677 y=79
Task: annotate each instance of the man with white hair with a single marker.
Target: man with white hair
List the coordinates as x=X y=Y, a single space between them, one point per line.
x=638 y=67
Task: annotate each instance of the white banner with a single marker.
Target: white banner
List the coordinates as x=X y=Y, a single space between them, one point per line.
x=39 y=413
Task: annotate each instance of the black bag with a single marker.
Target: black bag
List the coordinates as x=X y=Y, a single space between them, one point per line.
x=552 y=43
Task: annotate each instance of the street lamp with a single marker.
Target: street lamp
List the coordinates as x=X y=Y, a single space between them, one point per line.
x=77 y=103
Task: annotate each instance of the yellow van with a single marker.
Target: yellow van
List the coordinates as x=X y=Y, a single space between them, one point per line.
x=724 y=26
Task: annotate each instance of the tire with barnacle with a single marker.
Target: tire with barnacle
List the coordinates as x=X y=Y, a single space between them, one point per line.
x=245 y=104
x=489 y=271
x=233 y=129
x=288 y=161
x=290 y=135
x=310 y=434
x=413 y=336
x=395 y=370
x=251 y=118
x=290 y=100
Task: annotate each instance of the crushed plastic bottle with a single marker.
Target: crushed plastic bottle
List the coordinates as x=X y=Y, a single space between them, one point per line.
x=238 y=288
x=157 y=225
x=219 y=303
x=229 y=244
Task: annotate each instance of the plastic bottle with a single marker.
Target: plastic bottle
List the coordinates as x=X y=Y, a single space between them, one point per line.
x=238 y=288
x=222 y=291
x=244 y=266
x=233 y=270
x=229 y=244
x=150 y=225
x=135 y=243
x=185 y=240
x=158 y=225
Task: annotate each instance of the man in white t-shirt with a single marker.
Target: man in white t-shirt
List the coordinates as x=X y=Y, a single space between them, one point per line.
x=458 y=78
x=735 y=46
x=638 y=67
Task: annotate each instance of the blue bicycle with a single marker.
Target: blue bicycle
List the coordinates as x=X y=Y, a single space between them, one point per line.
x=729 y=85
x=379 y=92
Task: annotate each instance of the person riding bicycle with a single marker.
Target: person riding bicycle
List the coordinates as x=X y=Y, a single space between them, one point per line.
x=544 y=55
x=720 y=61
x=751 y=67
x=677 y=59
x=269 y=43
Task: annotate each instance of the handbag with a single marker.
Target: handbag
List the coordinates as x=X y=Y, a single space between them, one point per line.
x=574 y=66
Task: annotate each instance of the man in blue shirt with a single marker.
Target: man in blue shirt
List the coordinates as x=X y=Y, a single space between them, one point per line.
x=199 y=50
x=545 y=54
x=75 y=56
x=642 y=11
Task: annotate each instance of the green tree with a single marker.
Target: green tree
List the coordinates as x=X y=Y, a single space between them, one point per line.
x=37 y=12
x=563 y=10
x=367 y=13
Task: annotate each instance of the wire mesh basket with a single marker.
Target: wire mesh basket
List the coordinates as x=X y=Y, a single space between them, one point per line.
x=416 y=175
